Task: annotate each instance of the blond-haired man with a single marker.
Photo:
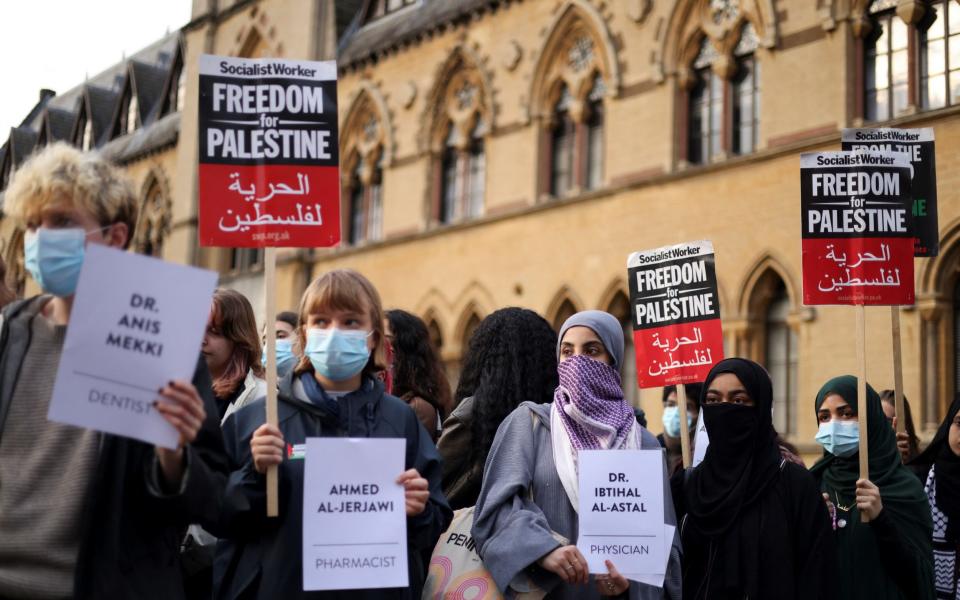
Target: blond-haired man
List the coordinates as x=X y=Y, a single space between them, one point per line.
x=85 y=514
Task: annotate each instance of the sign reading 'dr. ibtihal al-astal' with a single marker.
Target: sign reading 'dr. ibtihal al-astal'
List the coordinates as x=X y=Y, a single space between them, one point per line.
x=621 y=511
x=354 y=514
x=136 y=323
x=269 y=155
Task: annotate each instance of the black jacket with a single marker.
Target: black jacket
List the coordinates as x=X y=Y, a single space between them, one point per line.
x=259 y=557
x=131 y=528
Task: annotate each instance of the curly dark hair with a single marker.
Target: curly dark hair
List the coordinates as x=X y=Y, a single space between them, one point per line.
x=416 y=366
x=512 y=357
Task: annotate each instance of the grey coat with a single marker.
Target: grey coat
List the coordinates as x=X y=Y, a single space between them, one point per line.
x=512 y=531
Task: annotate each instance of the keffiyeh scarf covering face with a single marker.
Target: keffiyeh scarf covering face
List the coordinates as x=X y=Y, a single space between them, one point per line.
x=588 y=413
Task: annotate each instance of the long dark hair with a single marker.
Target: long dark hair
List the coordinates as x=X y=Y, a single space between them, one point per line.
x=416 y=366
x=232 y=314
x=511 y=358
x=889 y=396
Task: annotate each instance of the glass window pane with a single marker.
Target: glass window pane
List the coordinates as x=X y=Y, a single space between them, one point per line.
x=935 y=30
x=695 y=152
x=955 y=86
x=955 y=50
x=935 y=92
x=448 y=209
x=898 y=39
x=880 y=72
x=935 y=57
x=477 y=180
x=953 y=18
x=595 y=153
x=899 y=67
x=356 y=212
x=899 y=99
x=883 y=40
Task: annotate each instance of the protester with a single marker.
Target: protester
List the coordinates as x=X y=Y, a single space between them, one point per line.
x=287 y=352
x=890 y=556
x=417 y=375
x=85 y=514
x=526 y=518
x=908 y=444
x=754 y=524
x=232 y=351
x=6 y=294
x=333 y=392
x=510 y=359
x=940 y=463
x=670 y=438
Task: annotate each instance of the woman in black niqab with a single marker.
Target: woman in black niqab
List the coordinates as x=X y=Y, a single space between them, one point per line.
x=754 y=525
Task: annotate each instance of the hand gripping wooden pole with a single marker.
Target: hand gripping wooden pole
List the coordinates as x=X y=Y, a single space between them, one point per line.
x=269 y=281
x=684 y=429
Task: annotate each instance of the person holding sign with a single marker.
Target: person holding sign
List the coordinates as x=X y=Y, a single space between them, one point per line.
x=510 y=359
x=333 y=392
x=232 y=351
x=941 y=461
x=753 y=523
x=85 y=514
x=670 y=438
x=890 y=556
x=526 y=519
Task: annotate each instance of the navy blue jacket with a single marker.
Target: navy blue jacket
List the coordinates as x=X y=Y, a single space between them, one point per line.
x=259 y=557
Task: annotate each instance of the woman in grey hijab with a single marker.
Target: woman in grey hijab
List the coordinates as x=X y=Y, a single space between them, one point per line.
x=526 y=521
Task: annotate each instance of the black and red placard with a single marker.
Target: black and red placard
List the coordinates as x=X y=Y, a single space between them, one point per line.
x=857 y=228
x=269 y=153
x=676 y=313
x=919 y=144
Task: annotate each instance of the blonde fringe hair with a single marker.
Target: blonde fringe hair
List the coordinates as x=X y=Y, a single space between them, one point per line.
x=344 y=289
x=62 y=176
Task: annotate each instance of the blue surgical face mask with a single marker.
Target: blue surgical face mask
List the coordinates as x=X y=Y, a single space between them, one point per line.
x=671 y=421
x=54 y=257
x=286 y=360
x=337 y=354
x=839 y=438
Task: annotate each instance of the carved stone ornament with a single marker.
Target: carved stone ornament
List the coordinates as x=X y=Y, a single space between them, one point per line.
x=407 y=94
x=639 y=9
x=510 y=55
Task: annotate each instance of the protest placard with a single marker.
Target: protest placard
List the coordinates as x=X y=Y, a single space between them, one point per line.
x=676 y=313
x=919 y=145
x=675 y=306
x=269 y=153
x=621 y=510
x=857 y=228
x=136 y=323
x=269 y=170
x=354 y=514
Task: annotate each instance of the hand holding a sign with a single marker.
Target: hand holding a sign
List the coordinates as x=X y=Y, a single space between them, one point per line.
x=567 y=563
x=868 y=499
x=182 y=407
x=613 y=584
x=267 y=447
x=416 y=491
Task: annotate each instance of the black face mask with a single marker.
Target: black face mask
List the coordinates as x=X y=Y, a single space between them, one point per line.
x=732 y=427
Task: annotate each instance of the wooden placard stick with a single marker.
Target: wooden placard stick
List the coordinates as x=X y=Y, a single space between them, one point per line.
x=862 y=397
x=684 y=429
x=269 y=280
x=898 y=371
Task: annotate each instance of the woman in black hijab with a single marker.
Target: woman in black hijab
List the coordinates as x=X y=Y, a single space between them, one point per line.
x=754 y=525
x=941 y=463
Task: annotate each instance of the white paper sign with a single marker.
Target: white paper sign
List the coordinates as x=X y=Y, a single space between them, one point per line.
x=621 y=510
x=700 y=441
x=137 y=323
x=354 y=517
x=656 y=579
